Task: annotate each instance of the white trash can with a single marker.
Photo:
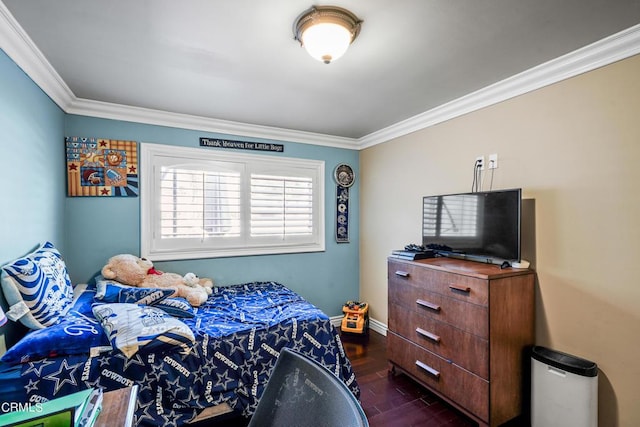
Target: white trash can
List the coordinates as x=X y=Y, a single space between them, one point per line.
x=564 y=390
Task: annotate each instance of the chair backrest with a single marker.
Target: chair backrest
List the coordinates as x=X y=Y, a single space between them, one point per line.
x=303 y=393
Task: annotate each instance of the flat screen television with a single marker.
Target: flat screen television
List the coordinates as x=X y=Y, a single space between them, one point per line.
x=482 y=226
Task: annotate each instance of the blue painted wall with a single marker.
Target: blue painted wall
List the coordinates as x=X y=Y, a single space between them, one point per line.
x=89 y=230
x=32 y=181
x=31 y=177
x=97 y=228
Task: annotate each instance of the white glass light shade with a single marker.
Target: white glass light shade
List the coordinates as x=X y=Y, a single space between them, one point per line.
x=326 y=31
x=326 y=42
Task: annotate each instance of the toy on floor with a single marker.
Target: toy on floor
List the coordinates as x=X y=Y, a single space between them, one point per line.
x=356 y=317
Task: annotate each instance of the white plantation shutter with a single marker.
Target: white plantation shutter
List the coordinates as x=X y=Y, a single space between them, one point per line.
x=198 y=203
x=281 y=206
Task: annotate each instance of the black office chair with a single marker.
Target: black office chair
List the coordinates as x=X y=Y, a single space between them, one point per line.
x=303 y=393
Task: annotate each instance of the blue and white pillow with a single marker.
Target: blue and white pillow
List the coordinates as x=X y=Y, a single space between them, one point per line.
x=132 y=327
x=177 y=307
x=78 y=332
x=37 y=287
x=110 y=291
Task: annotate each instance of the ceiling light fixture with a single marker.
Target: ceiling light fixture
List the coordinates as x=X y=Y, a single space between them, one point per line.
x=326 y=31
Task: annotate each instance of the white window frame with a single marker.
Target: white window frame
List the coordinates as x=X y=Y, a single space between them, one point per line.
x=152 y=247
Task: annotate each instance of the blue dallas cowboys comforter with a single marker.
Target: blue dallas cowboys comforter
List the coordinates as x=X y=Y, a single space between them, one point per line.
x=239 y=333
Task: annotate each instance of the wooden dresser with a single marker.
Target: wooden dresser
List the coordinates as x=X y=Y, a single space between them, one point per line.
x=461 y=329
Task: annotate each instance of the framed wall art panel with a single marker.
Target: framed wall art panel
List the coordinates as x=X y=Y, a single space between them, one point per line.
x=98 y=167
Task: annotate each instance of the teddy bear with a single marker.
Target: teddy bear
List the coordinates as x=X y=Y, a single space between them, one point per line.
x=134 y=271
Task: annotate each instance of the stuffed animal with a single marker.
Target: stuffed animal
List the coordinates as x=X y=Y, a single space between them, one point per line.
x=192 y=280
x=134 y=271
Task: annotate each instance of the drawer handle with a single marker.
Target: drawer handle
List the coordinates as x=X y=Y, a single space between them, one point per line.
x=428 y=368
x=460 y=288
x=402 y=273
x=429 y=335
x=427 y=304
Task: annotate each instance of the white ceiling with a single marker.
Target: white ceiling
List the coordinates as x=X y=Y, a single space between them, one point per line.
x=237 y=60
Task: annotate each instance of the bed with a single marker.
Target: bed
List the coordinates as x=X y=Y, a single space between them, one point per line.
x=186 y=361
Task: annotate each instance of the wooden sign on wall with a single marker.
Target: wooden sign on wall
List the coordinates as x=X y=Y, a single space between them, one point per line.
x=101 y=167
x=241 y=145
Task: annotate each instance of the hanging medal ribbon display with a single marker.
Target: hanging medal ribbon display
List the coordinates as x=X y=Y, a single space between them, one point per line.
x=344 y=177
x=342 y=214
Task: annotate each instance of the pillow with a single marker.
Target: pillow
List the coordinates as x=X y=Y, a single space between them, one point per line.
x=112 y=291
x=37 y=287
x=132 y=327
x=76 y=333
x=177 y=307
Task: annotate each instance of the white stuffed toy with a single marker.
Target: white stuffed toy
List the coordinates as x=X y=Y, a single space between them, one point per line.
x=190 y=279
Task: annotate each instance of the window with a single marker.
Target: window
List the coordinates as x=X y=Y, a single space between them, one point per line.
x=197 y=203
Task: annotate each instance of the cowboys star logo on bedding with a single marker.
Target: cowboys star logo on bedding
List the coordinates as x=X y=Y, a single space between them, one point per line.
x=175 y=387
x=103 y=361
x=32 y=385
x=37 y=367
x=128 y=361
x=144 y=414
x=267 y=367
x=152 y=317
x=146 y=385
x=224 y=379
x=282 y=334
x=237 y=344
x=224 y=367
x=192 y=396
x=63 y=376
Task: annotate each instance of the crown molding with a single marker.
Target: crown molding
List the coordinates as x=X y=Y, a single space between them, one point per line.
x=16 y=43
x=21 y=49
x=106 y=110
x=603 y=52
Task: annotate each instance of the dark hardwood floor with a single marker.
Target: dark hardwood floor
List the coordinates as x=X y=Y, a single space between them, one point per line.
x=388 y=400
x=394 y=400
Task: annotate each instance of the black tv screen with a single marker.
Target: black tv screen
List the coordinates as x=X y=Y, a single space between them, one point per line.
x=483 y=225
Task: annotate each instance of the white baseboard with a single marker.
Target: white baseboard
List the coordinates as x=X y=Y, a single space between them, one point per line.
x=378 y=326
x=374 y=325
x=336 y=321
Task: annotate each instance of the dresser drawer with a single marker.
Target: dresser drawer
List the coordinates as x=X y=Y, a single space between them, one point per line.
x=453 y=344
x=471 y=318
x=457 y=286
x=464 y=388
